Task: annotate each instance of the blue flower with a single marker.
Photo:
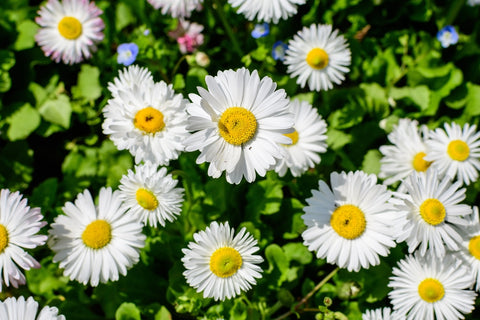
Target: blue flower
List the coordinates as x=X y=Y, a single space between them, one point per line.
x=127 y=53
x=261 y=30
x=447 y=36
x=278 y=51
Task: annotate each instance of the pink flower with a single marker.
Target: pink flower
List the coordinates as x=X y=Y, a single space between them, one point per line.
x=188 y=35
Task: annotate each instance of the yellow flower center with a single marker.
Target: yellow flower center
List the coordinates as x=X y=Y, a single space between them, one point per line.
x=432 y=211
x=70 y=28
x=419 y=164
x=458 y=150
x=3 y=238
x=97 y=234
x=348 y=221
x=149 y=120
x=317 y=58
x=474 y=246
x=293 y=136
x=146 y=199
x=431 y=290
x=225 y=262
x=237 y=125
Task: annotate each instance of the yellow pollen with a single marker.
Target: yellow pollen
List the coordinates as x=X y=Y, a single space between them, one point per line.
x=419 y=164
x=431 y=290
x=225 y=262
x=70 y=28
x=293 y=136
x=432 y=211
x=348 y=221
x=149 y=120
x=317 y=58
x=97 y=234
x=458 y=150
x=474 y=246
x=237 y=125
x=3 y=238
x=146 y=199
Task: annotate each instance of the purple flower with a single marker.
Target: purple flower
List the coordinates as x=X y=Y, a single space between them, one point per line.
x=447 y=36
x=278 y=50
x=261 y=30
x=127 y=53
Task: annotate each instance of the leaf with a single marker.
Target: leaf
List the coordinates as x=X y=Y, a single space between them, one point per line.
x=163 y=314
x=278 y=264
x=44 y=194
x=336 y=139
x=127 y=311
x=23 y=122
x=88 y=84
x=296 y=251
x=419 y=95
x=7 y=60
x=371 y=161
x=46 y=281
x=57 y=111
x=472 y=107
x=124 y=16
x=26 y=35
x=265 y=197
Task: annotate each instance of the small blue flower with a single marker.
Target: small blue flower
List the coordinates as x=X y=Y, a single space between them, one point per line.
x=261 y=30
x=447 y=36
x=127 y=53
x=278 y=51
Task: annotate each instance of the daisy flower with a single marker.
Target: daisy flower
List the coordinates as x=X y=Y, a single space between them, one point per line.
x=407 y=153
x=21 y=309
x=319 y=56
x=308 y=140
x=19 y=225
x=381 y=314
x=430 y=213
x=239 y=122
x=430 y=288
x=130 y=77
x=69 y=30
x=149 y=120
x=177 y=8
x=151 y=195
x=266 y=10
x=220 y=264
x=96 y=243
x=349 y=224
x=455 y=152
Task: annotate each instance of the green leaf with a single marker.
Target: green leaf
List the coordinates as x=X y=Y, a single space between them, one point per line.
x=26 y=35
x=46 y=281
x=88 y=84
x=127 y=311
x=57 y=111
x=44 y=194
x=124 y=16
x=195 y=77
x=472 y=107
x=7 y=60
x=336 y=139
x=419 y=95
x=178 y=82
x=296 y=251
x=163 y=314
x=371 y=161
x=278 y=264
x=265 y=197
x=23 y=122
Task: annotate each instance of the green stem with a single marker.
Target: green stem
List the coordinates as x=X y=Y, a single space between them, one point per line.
x=309 y=295
x=177 y=65
x=453 y=11
x=228 y=28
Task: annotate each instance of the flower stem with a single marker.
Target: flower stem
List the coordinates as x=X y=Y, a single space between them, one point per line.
x=228 y=28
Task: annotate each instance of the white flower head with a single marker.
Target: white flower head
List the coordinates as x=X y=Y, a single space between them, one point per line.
x=308 y=140
x=221 y=264
x=381 y=314
x=266 y=10
x=430 y=213
x=455 y=152
x=239 y=123
x=148 y=119
x=177 y=8
x=407 y=152
x=130 y=77
x=69 y=30
x=349 y=224
x=21 y=309
x=96 y=243
x=318 y=56
x=430 y=288
x=19 y=227
x=151 y=195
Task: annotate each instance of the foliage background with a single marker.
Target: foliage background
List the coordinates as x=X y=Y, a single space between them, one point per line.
x=52 y=146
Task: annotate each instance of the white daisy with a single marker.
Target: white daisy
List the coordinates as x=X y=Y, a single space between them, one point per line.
x=96 y=243
x=21 y=309
x=128 y=78
x=148 y=119
x=469 y=252
x=177 y=8
x=220 y=264
x=430 y=213
x=151 y=195
x=349 y=224
x=266 y=10
x=308 y=140
x=430 y=288
x=69 y=30
x=407 y=153
x=239 y=122
x=455 y=152
x=318 y=56
x=19 y=226
x=381 y=314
